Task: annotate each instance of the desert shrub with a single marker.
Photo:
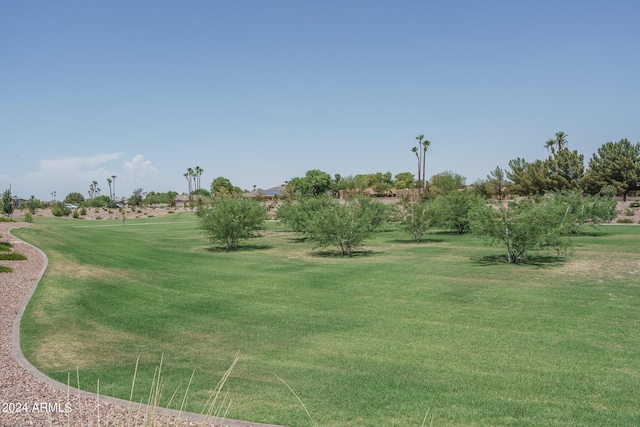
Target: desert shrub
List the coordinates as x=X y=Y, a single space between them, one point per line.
x=5 y=246
x=12 y=256
x=75 y=213
x=28 y=217
x=415 y=218
x=83 y=211
x=5 y=219
x=635 y=204
x=33 y=204
x=60 y=210
x=5 y=269
x=297 y=214
x=231 y=220
x=346 y=226
x=522 y=227
x=625 y=221
x=579 y=210
x=452 y=210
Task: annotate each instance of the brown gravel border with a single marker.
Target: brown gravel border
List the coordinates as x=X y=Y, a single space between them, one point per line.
x=30 y=398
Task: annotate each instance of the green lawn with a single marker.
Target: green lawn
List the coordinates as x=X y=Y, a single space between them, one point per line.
x=372 y=340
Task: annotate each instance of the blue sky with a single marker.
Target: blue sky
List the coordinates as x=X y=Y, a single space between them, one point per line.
x=262 y=91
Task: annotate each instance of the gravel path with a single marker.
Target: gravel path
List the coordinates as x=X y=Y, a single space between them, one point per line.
x=29 y=398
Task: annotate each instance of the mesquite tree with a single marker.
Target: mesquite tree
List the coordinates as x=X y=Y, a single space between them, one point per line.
x=522 y=226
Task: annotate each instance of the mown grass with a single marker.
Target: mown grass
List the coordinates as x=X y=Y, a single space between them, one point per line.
x=375 y=339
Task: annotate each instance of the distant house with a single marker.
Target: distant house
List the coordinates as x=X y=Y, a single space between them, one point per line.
x=269 y=193
x=185 y=200
x=17 y=202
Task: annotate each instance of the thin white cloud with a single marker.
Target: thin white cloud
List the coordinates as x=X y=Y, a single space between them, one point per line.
x=138 y=167
x=75 y=164
x=67 y=174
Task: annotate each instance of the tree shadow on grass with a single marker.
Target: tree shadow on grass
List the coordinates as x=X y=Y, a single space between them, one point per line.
x=298 y=239
x=447 y=233
x=424 y=240
x=591 y=232
x=335 y=254
x=541 y=261
x=242 y=248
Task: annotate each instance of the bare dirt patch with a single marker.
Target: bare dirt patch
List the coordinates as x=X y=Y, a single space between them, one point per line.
x=599 y=268
x=74 y=270
x=83 y=348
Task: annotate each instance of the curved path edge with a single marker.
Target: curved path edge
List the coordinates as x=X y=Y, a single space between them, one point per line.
x=19 y=357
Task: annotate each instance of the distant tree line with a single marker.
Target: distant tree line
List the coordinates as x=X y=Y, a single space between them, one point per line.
x=614 y=170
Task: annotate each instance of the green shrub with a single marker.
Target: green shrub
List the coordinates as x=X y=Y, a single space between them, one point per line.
x=12 y=256
x=4 y=219
x=625 y=221
x=415 y=218
x=231 y=220
x=83 y=211
x=5 y=269
x=28 y=217
x=5 y=246
x=346 y=226
x=635 y=204
x=60 y=210
x=75 y=214
x=522 y=226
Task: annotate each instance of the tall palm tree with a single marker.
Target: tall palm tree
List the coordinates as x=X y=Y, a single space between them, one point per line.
x=550 y=145
x=414 y=150
x=110 y=191
x=199 y=171
x=557 y=144
x=425 y=144
x=419 y=138
x=187 y=175
x=93 y=189
x=561 y=140
x=114 y=186
x=191 y=176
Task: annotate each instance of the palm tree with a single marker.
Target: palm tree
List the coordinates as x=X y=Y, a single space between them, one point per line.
x=191 y=175
x=114 y=186
x=199 y=171
x=425 y=144
x=414 y=150
x=110 y=191
x=92 y=189
x=561 y=140
x=187 y=175
x=550 y=145
x=557 y=144
x=419 y=153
